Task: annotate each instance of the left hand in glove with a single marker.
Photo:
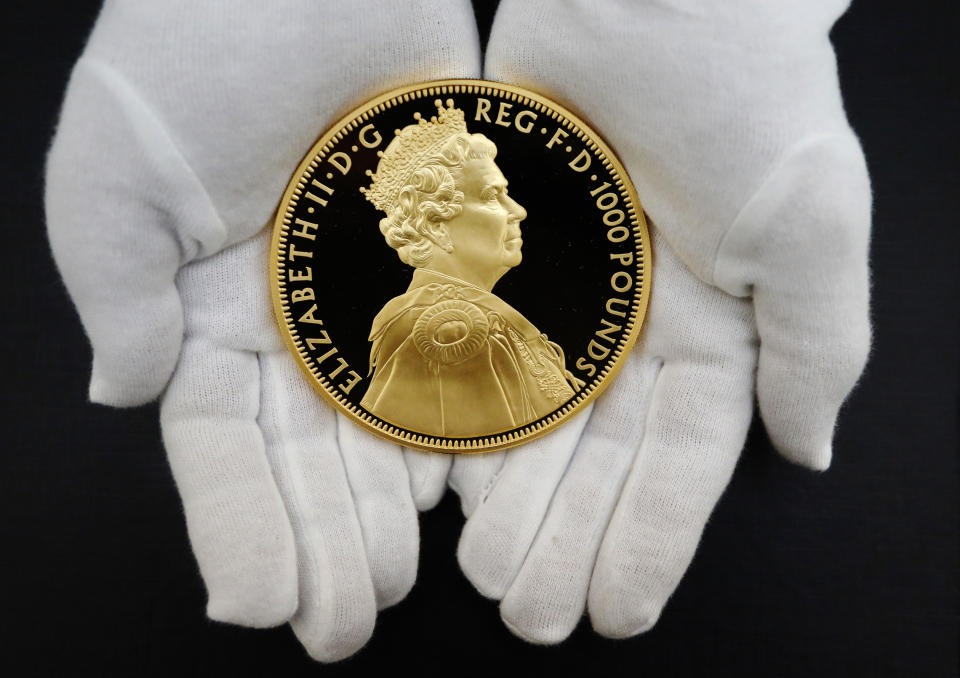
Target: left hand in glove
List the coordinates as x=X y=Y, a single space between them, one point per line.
x=180 y=128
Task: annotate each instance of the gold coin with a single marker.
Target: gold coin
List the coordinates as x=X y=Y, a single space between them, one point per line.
x=460 y=265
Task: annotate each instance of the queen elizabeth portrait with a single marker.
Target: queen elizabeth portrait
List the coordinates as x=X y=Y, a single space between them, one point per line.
x=449 y=357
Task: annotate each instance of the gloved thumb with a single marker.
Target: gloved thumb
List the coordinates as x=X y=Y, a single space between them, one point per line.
x=801 y=245
x=124 y=211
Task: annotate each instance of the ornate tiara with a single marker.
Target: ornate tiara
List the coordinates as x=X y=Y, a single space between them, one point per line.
x=410 y=149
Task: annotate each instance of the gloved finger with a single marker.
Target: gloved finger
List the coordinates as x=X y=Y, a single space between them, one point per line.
x=801 y=246
x=388 y=518
x=237 y=522
x=696 y=427
x=472 y=477
x=116 y=225
x=236 y=519
x=428 y=476
x=337 y=604
x=548 y=596
x=699 y=413
x=496 y=538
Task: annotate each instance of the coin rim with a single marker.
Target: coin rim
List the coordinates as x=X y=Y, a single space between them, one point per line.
x=538 y=427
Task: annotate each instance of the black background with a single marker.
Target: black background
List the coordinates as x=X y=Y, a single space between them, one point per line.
x=561 y=286
x=848 y=573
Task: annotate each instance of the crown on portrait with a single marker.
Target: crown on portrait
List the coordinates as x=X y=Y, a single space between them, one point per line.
x=410 y=149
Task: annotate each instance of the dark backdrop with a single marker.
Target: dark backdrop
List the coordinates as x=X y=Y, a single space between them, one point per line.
x=852 y=572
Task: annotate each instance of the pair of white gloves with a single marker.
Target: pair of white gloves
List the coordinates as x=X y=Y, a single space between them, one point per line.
x=182 y=124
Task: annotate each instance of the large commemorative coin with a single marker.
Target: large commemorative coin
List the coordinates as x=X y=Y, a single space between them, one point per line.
x=460 y=265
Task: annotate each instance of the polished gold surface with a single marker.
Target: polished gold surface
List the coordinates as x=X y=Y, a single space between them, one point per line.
x=449 y=357
x=452 y=366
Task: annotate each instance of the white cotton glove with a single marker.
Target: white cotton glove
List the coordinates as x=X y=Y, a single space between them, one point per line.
x=729 y=120
x=181 y=126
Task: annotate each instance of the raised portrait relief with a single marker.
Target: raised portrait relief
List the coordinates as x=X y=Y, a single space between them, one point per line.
x=449 y=357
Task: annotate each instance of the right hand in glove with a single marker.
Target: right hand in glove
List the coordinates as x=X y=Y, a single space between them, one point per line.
x=728 y=117
x=181 y=126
